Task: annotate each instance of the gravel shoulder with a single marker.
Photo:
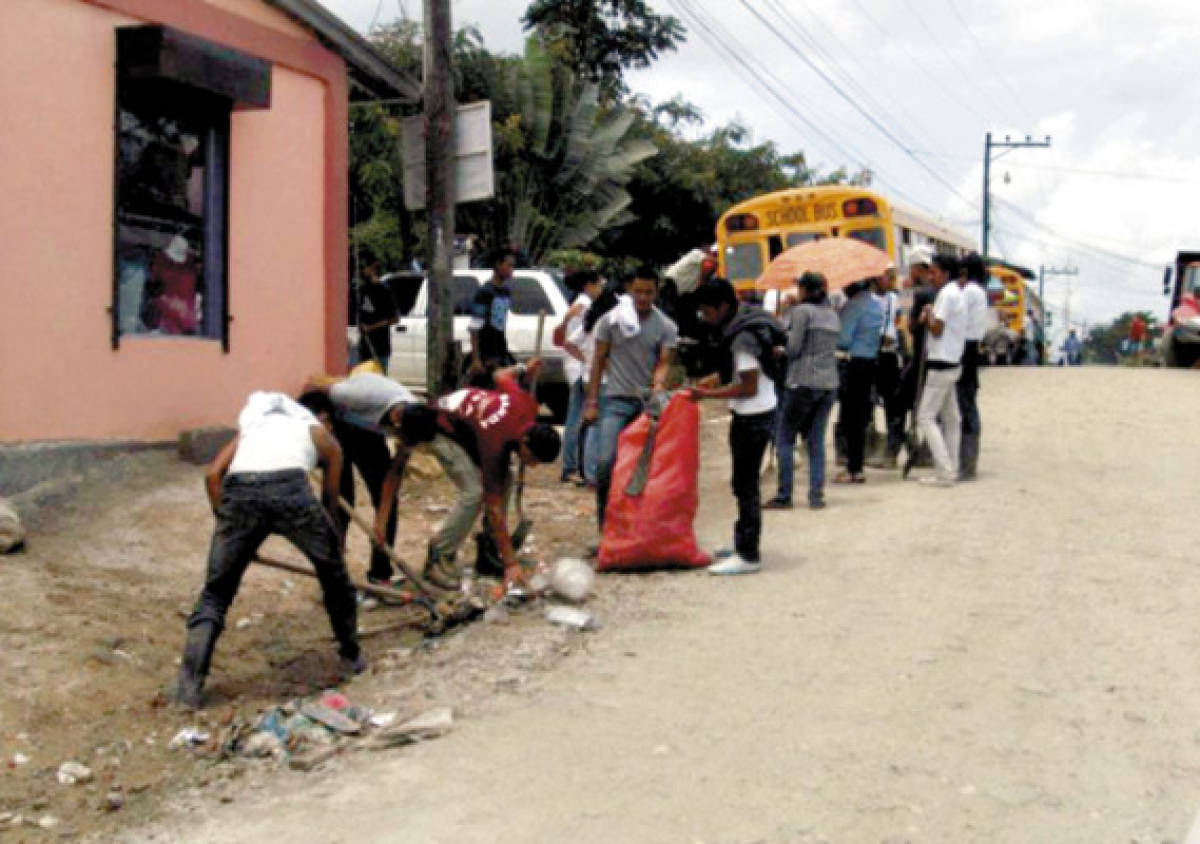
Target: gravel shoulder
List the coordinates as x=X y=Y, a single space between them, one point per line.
x=1008 y=661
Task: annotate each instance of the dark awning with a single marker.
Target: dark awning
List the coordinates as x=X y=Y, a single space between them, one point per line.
x=156 y=53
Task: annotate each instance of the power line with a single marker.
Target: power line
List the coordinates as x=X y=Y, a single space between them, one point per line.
x=733 y=53
x=937 y=79
x=988 y=59
x=869 y=117
x=830 y=58
x=1076 y=243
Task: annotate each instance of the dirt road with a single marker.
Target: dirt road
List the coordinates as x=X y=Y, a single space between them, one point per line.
x=1014 y=660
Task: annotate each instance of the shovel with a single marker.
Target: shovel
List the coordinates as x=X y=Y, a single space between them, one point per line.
x=524 y=526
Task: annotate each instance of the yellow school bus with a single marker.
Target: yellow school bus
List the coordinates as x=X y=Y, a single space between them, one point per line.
x=756 y=230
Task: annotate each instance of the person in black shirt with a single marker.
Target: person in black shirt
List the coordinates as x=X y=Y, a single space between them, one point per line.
x=489 y=319
x=376 y=315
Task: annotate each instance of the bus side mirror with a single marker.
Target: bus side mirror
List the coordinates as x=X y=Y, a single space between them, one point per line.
x=1167 y=280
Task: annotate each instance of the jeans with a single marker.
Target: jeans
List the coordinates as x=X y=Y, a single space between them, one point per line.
x=572 y=444
x=618 y=413
x=255 y=505
x=749 y=437
x=855 y=413
x=968 y=391
x=369 y=452
x=804 y=411
x=939 y=398
x=590 y=435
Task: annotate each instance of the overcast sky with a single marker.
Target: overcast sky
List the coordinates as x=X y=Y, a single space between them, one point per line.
x=1114 y=83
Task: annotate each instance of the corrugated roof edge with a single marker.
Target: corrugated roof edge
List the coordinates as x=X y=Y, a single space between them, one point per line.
x=367 y=67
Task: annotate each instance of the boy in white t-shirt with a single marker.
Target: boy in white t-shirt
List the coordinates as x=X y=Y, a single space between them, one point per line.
x=946 y=322
x=257 y=486
x=747 y=334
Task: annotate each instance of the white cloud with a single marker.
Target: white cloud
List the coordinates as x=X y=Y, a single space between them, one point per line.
x=1112 y=82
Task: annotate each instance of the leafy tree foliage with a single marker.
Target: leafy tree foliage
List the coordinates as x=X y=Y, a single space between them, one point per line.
x=626 y=179
x=1104 y=344
x=600 y=39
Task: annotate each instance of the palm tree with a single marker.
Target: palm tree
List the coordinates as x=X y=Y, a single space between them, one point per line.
x=563 y=159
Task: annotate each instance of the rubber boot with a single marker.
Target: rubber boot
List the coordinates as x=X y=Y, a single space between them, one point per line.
x=197 y=657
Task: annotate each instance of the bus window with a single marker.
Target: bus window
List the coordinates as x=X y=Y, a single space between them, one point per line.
x=744 y=260
x=774 y=246
x=796 y=238
x=875 y=237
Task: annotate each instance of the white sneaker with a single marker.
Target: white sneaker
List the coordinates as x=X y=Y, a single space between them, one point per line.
x=934 y=480
x=733 y=564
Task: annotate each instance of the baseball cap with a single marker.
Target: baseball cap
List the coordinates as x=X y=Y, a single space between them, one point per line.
x=920 y=255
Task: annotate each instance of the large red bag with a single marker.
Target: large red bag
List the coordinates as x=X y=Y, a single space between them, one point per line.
x=653 y=528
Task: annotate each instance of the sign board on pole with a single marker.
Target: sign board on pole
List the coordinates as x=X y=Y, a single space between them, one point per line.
x=474 y=175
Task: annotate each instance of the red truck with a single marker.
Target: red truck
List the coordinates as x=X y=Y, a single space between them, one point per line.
x=1181 y=339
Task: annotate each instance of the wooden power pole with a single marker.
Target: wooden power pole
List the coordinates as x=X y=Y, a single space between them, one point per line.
x=439 y=200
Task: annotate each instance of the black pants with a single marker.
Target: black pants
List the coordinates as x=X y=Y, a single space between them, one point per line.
x=369 y=452
x=887 y=387
x=748 y=440
x=968 y=390
x=254 y=506
x=855 y=413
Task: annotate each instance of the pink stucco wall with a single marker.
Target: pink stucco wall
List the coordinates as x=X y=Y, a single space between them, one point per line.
x=59 y=377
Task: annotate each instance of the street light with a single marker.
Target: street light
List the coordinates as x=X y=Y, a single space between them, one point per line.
x=988 y=145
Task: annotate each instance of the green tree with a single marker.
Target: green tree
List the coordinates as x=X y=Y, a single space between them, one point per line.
x=1103 y=343
x=600 y=39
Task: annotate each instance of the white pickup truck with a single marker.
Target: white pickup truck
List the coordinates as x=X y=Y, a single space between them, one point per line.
x=534 y=291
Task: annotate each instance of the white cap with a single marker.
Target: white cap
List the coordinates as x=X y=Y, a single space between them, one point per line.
x=177 y=249
x=920 y=255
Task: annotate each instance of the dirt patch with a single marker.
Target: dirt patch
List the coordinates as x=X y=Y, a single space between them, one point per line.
x=91 y=624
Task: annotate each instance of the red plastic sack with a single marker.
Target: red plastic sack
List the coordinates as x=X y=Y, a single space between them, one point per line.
x=654 y=529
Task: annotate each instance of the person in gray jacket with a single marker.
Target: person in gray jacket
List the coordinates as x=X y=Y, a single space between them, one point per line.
x=812 y=385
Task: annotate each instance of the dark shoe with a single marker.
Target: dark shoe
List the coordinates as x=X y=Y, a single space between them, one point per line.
x=817 y=504
x=197 y=657
x=353 y=666
x=778 y=503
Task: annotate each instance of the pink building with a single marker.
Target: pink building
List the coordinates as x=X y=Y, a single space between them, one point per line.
x=173 y=192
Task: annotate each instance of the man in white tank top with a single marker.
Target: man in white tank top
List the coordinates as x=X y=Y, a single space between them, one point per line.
x=258 y=485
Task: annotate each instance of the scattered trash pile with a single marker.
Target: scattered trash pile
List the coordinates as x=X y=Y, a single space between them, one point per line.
x=304 y=733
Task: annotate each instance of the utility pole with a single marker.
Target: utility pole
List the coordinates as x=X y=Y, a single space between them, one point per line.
x=988 y=146
x=440 y=197
x=1042 y=273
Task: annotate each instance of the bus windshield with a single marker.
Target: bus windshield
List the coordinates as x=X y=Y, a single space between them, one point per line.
x=744 y=260
x=874 y=236
x=796 y=238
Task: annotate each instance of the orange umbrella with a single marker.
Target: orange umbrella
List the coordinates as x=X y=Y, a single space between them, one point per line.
x=842 y=260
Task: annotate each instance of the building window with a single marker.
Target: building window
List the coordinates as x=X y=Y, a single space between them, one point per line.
x=172 y=168
x=175 y=97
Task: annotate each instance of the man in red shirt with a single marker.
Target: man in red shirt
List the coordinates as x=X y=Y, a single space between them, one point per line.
x=479 y=431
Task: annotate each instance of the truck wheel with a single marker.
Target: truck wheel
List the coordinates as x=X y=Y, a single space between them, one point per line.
x=1170 y=349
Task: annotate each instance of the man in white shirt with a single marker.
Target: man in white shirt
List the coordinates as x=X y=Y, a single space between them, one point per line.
x=589 y=284
x=749 y=334
x=945 y=322
x=258 y=485
x=970 y=281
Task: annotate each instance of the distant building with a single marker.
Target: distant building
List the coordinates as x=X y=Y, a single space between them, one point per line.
x=173 y=204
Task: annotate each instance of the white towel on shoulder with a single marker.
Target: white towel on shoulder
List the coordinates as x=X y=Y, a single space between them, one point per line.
x=626 y=316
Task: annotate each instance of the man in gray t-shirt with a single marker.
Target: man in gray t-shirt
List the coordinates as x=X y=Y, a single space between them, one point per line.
x=367 y=409
x=635 y=344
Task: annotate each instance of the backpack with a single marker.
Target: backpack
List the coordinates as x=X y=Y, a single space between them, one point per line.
x=769 y=334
